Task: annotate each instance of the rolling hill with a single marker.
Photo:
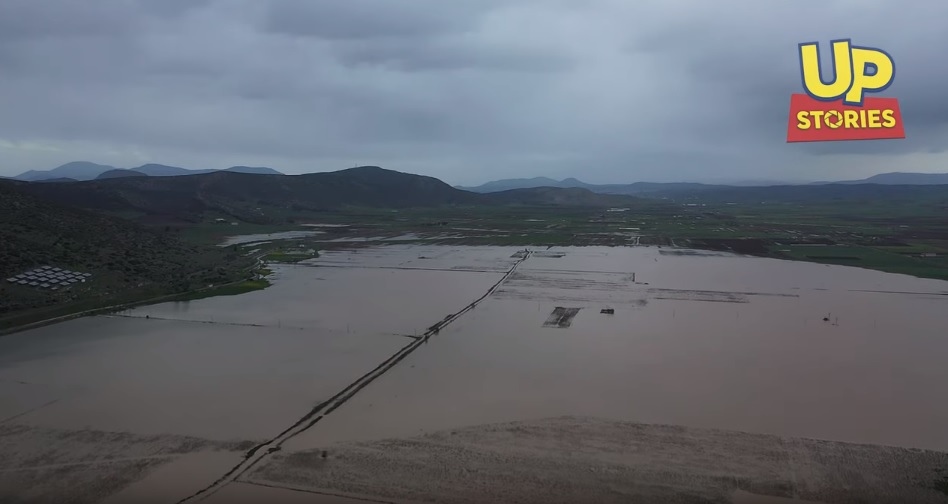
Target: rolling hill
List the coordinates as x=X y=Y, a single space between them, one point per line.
x=158 y=170
x=258 y=170
x=123 y=257
x=267 y=199
x=60 y=180
x=556 y=196
x=119 y=173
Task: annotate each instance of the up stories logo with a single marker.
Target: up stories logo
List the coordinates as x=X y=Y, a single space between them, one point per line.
x=839 y=110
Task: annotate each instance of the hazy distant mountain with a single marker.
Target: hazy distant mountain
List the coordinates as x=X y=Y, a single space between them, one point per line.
x=572 y=183
x=119 y=173
x=524 y=183
x=78 y=170
x=639 y=188
x=159 y=170
x=84 y=170
x=901 y=178
x=756 y=182
x=253 y=170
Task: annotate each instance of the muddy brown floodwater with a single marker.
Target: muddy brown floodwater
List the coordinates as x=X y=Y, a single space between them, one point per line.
x=714 y=379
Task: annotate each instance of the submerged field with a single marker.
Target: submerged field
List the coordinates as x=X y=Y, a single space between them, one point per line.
x=446 y=373
x=909 y=238
x=897 y=229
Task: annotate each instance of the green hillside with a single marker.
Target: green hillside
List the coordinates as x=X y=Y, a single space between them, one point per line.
x=126 y=260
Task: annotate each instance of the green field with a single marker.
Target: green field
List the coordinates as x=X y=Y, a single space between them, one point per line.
x=882 y=236
x=878 y=258
x=226 y=290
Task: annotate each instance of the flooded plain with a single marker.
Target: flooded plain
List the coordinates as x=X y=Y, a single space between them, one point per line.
x=433 y=345
x=711 y=341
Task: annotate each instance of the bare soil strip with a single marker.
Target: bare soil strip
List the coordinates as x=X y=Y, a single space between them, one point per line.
x=572 y=460
x=84 y=466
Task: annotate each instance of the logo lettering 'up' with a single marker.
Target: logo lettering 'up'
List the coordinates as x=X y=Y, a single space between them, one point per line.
x=857 y=70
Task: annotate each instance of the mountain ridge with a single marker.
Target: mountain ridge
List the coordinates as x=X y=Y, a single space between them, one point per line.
x=118 y=173
x=85 y=170
x=265 y=198
x=893 y=178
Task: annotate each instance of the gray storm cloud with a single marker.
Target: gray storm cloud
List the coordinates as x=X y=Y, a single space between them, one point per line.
x=467 y=91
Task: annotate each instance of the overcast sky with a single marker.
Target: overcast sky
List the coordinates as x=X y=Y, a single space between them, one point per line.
x=464 y=90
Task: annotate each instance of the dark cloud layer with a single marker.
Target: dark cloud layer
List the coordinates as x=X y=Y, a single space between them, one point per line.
x=374 y=19
x=467 y=90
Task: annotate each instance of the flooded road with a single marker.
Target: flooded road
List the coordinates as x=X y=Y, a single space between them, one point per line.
x=759 y=347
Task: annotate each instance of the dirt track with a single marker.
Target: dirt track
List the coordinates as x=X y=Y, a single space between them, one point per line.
x=85 y=466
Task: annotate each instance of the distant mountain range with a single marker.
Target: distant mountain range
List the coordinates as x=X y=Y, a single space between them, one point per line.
x=278 y=199
x=524 y=183
x=263 y=198
x=637 y=188
x=84 y=170
x=900 y=178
